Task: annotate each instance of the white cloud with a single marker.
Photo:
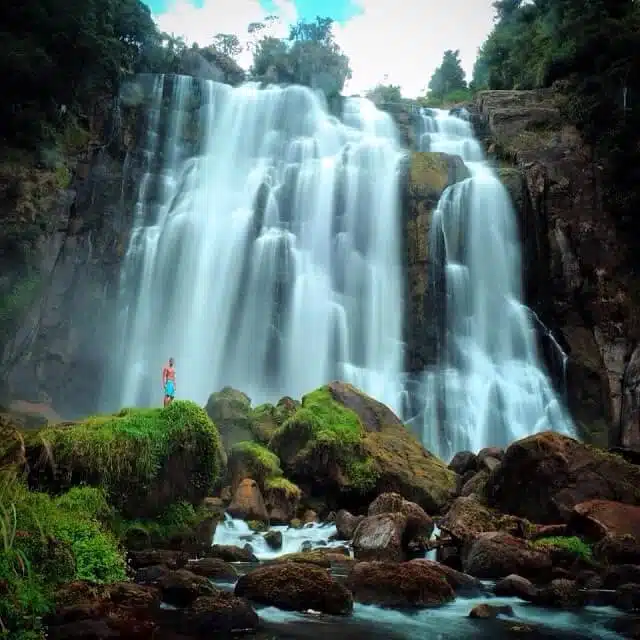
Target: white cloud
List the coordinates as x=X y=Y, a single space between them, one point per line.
x=390 y=41
x=402 y=41
x=201 y=24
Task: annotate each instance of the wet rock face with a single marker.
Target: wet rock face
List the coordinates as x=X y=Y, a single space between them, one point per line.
x=425 y=177
x=576 y=261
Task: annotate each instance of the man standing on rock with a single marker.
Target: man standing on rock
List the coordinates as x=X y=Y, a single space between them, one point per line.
x=169 y=382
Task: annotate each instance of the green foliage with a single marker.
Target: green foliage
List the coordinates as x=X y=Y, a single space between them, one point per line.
x=450 y=99
x=228 y=44
x=571 y=544
x=384 y=94
x=448 y=77
x=589 y=51
x=54 y=55
x=310 y=57
x=47 y=541
x=127 y=453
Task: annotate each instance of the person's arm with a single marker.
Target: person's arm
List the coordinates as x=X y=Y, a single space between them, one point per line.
x=164 y=376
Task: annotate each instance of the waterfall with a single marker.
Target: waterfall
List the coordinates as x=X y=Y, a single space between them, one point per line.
x=265 y=246
x=490 y=387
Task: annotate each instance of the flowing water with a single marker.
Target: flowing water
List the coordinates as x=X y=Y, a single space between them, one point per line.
x=237 y=533
x=490 y=387
x=447 y=622
x=265 y=254
x=265 y=250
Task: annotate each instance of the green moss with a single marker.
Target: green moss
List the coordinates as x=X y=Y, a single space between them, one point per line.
x=256 y=461
x=573 y=544
x=323 y=429
x=428 y=170
x=144 y=458
x=46 y=541
x=290 y=489
x=265 y=422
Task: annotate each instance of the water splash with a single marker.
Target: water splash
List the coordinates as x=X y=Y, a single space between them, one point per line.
x=237 y=533
x=490 y=387
x=265 y=254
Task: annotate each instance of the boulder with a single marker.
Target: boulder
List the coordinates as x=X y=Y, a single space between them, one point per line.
x=461 y=583
x=495 y=555
x=467 y=518
x=419 y=524
x=380 y=537
x=282 y=499
x=514 y=586
x=596 y=519
x=230 y=411
x=213 y=568
x=487 y=611
x=346 y=524
x=248 y=503
x=219 y=613
x=463 y=462
x=180 y=588
x=295 y=586
x=405 y=584
x=344 y=444
x=146 y=459
x=231 y=553
x=544 y=476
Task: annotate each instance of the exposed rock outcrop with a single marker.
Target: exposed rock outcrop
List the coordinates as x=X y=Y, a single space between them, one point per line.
x=576 y=260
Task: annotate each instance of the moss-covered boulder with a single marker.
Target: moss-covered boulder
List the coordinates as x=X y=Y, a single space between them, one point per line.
x=346 y=445
x=252 y=460
x=146 y=459
x=282 y=498
x=230 y=411
x=268 y=418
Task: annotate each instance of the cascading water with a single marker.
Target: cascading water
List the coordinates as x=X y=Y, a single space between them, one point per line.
x=489 y=388
x=267 y=257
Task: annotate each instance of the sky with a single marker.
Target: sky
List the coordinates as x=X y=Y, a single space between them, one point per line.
x=397 y=42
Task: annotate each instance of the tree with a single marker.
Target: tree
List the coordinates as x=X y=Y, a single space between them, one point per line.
x=448 y=77
x=384 y=94
x=228 y=44
x=309 y=57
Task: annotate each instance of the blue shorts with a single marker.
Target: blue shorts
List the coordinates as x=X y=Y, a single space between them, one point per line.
x=169 y=388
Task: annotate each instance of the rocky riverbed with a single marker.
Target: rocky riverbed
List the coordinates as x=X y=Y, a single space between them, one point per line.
x=318 y=517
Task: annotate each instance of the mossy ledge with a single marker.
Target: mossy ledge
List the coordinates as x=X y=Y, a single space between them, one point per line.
x=144 y=458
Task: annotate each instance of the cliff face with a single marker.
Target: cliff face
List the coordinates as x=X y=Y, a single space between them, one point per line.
x=54 y=355
x=577 y=273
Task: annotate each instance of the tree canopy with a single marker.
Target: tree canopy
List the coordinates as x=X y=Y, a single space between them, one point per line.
x=310 y=56
x=55 y=53
x=448 y=77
